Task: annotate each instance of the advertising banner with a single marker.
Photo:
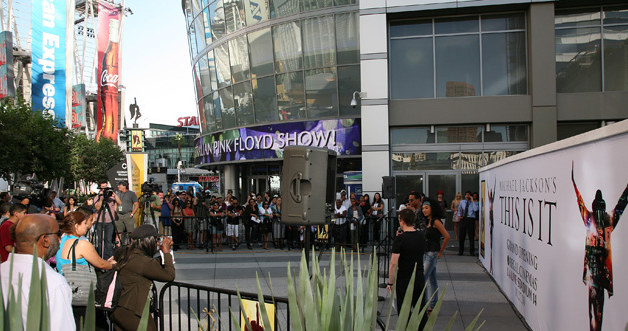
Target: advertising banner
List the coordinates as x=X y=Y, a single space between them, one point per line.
x=108 y=105
x=254 y=315
x=48 y=57
x=549 y=215
x=137 y=140
x=137 y=171
x=268 y=141
x=79 y=106
x=7 y=77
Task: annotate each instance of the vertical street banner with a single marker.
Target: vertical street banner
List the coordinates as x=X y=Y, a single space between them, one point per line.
x=79 y=106
x=48 y=57
x=7 y=77
x=555 y=232
x=108 y=103
x=137 y=140
x=137 y=171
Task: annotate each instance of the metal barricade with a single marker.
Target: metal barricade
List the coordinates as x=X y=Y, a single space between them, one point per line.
x=185 y=306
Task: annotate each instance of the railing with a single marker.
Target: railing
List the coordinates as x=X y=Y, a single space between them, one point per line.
x=185 y=306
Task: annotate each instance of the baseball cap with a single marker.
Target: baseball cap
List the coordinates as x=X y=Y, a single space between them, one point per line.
x=144 y=231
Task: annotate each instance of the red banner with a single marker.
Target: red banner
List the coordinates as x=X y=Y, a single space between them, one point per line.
x=108 y=112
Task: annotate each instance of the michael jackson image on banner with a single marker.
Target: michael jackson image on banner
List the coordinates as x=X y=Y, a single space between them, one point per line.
x=491 y=200
x=598 y=264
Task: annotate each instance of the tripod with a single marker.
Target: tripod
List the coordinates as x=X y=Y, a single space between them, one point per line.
x=145 y=207
x=100 y=219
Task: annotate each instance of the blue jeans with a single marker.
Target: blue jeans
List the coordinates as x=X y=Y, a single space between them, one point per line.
x=108 y=251
x=429 y=266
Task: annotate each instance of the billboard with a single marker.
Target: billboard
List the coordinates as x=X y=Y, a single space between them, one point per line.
x=548 y=218
x=79 y=106
x=7 y=77
x=108 y=104
x=137 y=140
x=268 y=141
x=48 y=57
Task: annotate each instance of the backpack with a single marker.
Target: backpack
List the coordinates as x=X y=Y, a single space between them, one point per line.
x=108 y=290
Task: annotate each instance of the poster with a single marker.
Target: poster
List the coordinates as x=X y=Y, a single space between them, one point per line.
x=48 y=56
x=79 y=106
x=556 y=233
x=108 y=103
x=254 y=314
x=7 y=77
x=137 y=140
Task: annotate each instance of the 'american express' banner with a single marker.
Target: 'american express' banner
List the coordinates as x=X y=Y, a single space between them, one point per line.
x=48 y=57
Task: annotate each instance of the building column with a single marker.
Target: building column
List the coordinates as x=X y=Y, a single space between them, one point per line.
x=374 y=96
x=230 y=171
x=542 y=73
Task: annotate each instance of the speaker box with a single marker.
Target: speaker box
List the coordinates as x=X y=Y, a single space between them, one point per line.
x=388 y=187
x=308 y=183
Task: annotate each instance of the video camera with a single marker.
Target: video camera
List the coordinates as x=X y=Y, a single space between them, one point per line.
x=149 y=187
x=28 y=187
x=107 y=192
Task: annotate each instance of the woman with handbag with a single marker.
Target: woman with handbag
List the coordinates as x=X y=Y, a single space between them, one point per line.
x=76 y=260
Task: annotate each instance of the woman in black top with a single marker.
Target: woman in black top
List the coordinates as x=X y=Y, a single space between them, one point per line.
x=251 y=226
x=407 y=253
x=433 y=248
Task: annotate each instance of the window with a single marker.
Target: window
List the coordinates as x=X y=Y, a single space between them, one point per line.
x=455 y=57
x=592 y=49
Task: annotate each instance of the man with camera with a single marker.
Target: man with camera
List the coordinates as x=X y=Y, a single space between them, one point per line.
x=128 y=206
x=106 y=218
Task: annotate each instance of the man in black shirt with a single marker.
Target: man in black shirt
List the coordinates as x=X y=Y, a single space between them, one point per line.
x=407 y=253
x=234 y=211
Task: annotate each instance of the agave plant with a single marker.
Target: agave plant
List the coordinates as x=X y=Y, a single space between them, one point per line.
x=316 y=302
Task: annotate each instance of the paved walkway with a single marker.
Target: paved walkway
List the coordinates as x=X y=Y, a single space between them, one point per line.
x=469 y=288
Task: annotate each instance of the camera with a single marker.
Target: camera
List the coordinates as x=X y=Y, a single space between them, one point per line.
x=107 y=192
x=28 y=187
x=149 y=187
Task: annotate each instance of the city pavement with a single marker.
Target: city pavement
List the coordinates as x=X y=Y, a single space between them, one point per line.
x=469 y=287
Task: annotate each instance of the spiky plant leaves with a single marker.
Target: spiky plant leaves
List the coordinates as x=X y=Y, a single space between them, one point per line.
x=45 y=312
x=392 y=298
x=370 y=307
x=417 y=314
x=145 y=314
x=328 y=302
x=296 y=320
x=34 y=310
x=451 y=321
x=471 y=325
x=309 y=308
x=262 y=305
x=404 y=312
x=431 y=320
x=15 y=310
x=246 y=318
x=90 y=312
x=235 y=321
x=359 y=300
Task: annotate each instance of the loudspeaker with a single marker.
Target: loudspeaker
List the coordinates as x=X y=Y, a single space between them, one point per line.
x=308 y=184
x=388 y=187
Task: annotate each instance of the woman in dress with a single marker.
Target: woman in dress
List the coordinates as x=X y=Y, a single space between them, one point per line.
x=70 y=206
x=278 y=228
x=433 y=248
x=454 y=206
x=267 y=226
x=355 y=216
x=177 y=222
x=376 y=213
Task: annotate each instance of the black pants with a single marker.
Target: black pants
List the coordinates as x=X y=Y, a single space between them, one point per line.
x=466 y=228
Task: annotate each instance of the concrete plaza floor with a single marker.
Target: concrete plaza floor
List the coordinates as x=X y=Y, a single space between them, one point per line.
x=469 y=287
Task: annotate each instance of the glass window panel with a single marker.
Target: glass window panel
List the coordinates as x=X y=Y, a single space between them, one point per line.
x=578 y=66
x=217 y=107
x=280 y=8
x=211 y=62
x=570 y=129
x=287 y=47
x=225 y=99
x=239 y=56
x=616 y=58
x=458 y=134
x=503 y=22
x=504 y=63
x=234 y=15
x=469 y=161
x=348 y=38
x=494 y=156
x=223 y=71
x=320 y=93
x=615 y=15
x=204 y=73
x=458 y=66
x=345 y=2
x=456 y=25
x=261 y=48
x=192 y=42
x=243 y=103
x=256 y=11
x=402 y=136
x=291 y=96
x=196 y=76
x=207 y=31
x=217 y=18
x=409 y=60
x=577 y=18
x=199 y=29
x=506 y=133
x=348 y=82
x=410 y=28
x=307 y=5
x=264 y=98
x=196 y=7
x=189 y=16
x=318 y=42
x=425 y=161
x=208 y=123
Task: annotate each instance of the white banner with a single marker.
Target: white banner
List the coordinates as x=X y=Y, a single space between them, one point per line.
x=546 y=231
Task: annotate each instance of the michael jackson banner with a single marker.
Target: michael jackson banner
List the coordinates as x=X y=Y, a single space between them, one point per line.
x=268 y=141
x=550 y=214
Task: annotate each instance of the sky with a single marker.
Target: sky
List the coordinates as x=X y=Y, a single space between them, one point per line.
x=155 y=62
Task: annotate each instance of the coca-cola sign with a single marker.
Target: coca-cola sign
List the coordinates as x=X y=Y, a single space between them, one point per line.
x=107 y=79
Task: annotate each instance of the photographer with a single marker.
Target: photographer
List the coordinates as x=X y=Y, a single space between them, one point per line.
x=104 y=222
x=127 y=207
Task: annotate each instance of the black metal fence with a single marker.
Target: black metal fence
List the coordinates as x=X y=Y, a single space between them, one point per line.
x=185 y=306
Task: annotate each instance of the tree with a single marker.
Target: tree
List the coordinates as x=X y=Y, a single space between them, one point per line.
x=177 y=139
x=90 y=160
x=32 y=143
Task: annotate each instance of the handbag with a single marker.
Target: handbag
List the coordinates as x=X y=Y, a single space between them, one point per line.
x=80 y=278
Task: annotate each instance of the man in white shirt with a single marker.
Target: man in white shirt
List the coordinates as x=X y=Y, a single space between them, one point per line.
x=340 y=224
x=43 y=232
x=345 y=202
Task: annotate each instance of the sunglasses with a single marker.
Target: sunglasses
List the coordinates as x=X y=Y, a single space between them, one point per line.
x=58 y=233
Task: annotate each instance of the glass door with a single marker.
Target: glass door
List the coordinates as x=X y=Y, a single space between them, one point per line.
x=406 y=183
